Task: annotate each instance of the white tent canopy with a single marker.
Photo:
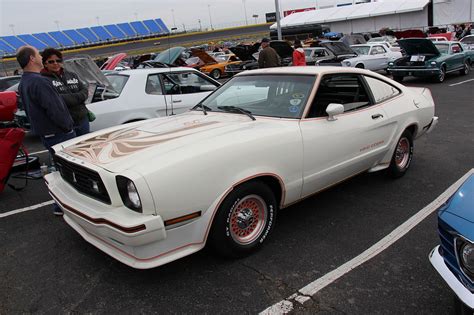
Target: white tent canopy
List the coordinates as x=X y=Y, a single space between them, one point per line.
x=353 y=12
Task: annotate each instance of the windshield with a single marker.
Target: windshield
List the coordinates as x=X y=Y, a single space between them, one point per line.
x=361 y=50
x=282 y=96
x=468 y=40
x=443 y=48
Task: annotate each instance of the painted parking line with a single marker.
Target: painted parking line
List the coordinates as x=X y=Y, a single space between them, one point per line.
x=462 y=82
x=38 y=152
x=304 y=294
x=37 y=206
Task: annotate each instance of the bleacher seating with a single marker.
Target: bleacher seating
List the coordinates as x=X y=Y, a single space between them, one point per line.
x=101 y=33
x=115 y=31
x=127 y=29
x=61 y=39
x=48 y=40
x=83 y=36
x=76 y=37
x=140 y=28
x=5 y=48
x=152 y=26
x=32 y=41
x=87 y=33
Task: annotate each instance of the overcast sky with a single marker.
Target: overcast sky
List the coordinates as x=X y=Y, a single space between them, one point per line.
x=33 y=16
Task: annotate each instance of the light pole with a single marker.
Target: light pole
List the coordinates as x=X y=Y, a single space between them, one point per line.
x=57 y=25
x=245 y=12
x=136 y=16
x=210 y=18
x=98 y=20
x=12 y=26
x=200 y=26
x=184 y=28
x=277 y=9
x=255 y=16
x=174 y=21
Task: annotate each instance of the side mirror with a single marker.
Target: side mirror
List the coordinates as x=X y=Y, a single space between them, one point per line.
x=334 y=109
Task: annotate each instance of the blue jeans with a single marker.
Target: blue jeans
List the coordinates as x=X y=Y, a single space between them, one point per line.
x=49 y=142
x=83 y=127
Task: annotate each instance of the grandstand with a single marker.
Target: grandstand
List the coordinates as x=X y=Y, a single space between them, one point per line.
x=84 y=37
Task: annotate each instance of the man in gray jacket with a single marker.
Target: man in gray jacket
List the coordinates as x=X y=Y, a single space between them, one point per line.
x=268 y=57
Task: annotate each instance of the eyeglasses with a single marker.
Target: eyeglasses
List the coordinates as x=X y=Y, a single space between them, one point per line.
x=54 y=61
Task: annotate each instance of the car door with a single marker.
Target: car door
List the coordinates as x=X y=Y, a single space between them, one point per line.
x=183 y=90
x=456 y=60
x=378 y=58
x=356 y=141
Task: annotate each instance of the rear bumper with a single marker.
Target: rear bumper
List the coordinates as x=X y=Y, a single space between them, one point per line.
x=431 y=125
x=414 y=72
x=458 y=288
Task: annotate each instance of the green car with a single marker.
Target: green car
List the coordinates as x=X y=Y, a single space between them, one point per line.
x=423 y=58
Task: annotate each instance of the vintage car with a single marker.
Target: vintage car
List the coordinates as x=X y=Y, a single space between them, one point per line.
x=148 y=93
x=338 y=52
x=371 y=56
x=154 y=191
x=313 y=54
x=467 y=42
x=8 y=82
x=215 y=66
x=423 y=58
x=454 y=258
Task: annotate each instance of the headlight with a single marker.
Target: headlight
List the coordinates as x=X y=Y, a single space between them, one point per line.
x=390 y=64
x=433 y=63
x=346 y=63
x=129 y=194
x=467 y=257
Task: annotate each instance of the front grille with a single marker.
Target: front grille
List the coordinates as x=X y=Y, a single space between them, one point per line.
x=82 y=179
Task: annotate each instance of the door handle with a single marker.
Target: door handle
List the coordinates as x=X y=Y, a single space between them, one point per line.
x=377 y=116
x=177 y=101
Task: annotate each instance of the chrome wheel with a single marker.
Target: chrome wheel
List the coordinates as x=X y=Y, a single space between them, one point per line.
x=248 y=219
x=402 y=153
x=442 y=75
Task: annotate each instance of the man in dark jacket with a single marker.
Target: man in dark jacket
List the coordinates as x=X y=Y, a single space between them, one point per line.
x=73 y=91
x=268 y=57
x=46 y=111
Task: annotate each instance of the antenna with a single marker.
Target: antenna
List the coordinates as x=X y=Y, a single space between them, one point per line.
x=169 y=53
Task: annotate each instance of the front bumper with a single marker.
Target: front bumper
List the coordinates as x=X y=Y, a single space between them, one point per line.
x=458 y=288
x=414 y=72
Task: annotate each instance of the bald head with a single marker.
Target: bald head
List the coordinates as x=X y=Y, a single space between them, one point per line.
x=29 y=58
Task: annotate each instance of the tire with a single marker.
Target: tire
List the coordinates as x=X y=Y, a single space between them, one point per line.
x=402 y=156
x=216 y=74
x=441 y=76
x=244 y=220
x=467 y=67
x=360 y=66
x=398 y=78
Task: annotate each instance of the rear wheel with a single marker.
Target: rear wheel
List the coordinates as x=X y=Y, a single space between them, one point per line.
x=402 y=156
x=466 y=68
x=244 y=220
x=216 y=74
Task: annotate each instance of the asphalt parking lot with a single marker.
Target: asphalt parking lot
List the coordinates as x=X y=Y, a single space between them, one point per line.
x=46 y=267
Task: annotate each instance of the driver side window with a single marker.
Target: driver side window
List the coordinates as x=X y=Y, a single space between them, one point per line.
x=345 y=89
x=186 y=83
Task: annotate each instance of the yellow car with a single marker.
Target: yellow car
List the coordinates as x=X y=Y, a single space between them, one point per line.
x=215 y=66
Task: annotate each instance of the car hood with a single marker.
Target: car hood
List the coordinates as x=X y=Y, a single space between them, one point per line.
x=338 y=48
x=204 y=56
x=169 y=56
x=418 y=46
x=120 y=148
x=245 y=52
x=87 y=71
x=458 y=212
x=283 y=49
x=113 y=61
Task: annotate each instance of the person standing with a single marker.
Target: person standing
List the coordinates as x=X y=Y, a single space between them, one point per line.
x=48 y=115
x=268 y=57
x=299 y=58
x=73 y=91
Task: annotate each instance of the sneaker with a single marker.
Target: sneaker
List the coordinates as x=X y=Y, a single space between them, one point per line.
x=58 y=212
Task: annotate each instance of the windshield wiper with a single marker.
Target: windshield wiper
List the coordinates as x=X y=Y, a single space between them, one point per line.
x=204 y=108
x=235 y=109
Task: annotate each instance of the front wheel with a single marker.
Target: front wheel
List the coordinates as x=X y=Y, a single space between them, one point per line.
x=402 y=156
x=244 y=220
x=216 y=74
x=441 y=76
x=360 y=66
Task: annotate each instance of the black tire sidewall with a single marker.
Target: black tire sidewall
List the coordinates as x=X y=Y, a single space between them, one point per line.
x=218 y=74
x=394 y=170
x=220 y=237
